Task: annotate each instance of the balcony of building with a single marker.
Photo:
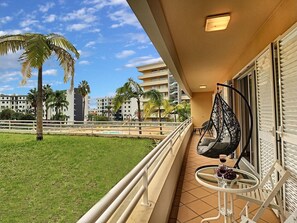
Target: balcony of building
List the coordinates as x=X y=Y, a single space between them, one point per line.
x=153 y=75
x=256 y=53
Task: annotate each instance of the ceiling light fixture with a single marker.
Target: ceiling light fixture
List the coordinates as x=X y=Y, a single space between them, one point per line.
x=217 y=22
x=202 y=86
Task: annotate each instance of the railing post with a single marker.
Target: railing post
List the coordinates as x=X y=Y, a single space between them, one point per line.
x=145 y=185
x=140 y=129
x=129 y=126
x=9 y=125
x=60 y=126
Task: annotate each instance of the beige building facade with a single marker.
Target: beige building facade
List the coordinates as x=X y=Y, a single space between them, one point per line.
x=157 y=76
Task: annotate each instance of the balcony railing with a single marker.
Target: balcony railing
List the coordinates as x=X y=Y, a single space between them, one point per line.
x=120 y=201
x=129 y=128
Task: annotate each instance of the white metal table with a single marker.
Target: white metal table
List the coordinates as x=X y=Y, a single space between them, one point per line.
x=207 y=177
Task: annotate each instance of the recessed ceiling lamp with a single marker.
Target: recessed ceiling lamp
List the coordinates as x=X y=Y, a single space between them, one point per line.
x=202 y=86
x=217 y=22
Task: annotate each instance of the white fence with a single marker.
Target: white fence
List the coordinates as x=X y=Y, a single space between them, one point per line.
x=91 y=127
x=119 y=202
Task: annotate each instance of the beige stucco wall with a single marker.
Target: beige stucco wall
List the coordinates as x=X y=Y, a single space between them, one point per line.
x=201 y=105
x=280 y=21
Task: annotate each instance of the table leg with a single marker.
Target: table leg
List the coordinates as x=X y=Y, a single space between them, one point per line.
x=223 y=209
x=219 y=210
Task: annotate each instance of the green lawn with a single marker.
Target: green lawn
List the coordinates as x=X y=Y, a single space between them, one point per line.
x=60 y=178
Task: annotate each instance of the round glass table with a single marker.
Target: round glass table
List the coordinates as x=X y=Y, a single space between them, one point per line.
x=244 y=182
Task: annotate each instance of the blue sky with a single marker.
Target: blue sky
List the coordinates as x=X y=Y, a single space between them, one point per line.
x=106 y=32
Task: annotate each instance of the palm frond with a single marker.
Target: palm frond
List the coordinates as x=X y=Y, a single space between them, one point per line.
x=149 y=108
x=67 y=62
x=11 y=43
x=26 y=71
x=62 y=42
x=36 y=50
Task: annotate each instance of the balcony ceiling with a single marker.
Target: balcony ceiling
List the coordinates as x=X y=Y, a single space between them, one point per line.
x=196 y=57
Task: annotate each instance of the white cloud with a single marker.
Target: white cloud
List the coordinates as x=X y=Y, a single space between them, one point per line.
x=123 y=17
x=3 y=4
x=138 y=37
x=90 y=44
x=50 y=72
x=9 y=76
x=99 y=4
x=142 y=61
x=46 y=7
x=28 y=22
x=10 y=31
x=95 y=30
x=50 y=18
x=5 y=19
x=10 y=61
x=6 y=88
x=83 y=14
x=125 y=53
x=84 y=62
x=77 y=27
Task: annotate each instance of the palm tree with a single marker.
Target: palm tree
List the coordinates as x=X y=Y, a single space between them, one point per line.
x=32 y=98
x=183 y=110
x=109 y=107
x=156 y=99
x=47 y=94
x=37 y=49
x=168 y=108
x=59 y=101
x=84 y=90
x=131 y=89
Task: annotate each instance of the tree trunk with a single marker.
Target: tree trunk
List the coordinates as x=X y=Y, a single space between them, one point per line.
x=160 y=119
x=39 y=130
x=139 y=115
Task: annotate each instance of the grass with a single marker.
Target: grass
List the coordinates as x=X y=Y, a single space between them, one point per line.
x=61 y=177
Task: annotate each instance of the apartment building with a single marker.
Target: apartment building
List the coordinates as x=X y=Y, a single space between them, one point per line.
x=127 y=111
x=18 y=103
x=157 y=76
x=77 y=111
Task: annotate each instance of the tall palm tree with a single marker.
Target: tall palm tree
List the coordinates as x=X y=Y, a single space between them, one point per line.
x=184 y=111
x=59 y=102
x=47 y=94
x=32 y=98
x=131 y=89
x=37 y=49
x=109 y=107
x=84 y=90
x=168 y=108
x=156 y=99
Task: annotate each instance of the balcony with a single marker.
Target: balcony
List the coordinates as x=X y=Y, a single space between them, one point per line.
x=194 y=202
x=163 y=188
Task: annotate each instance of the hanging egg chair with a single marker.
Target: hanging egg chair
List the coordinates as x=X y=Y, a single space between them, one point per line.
x=226 y=129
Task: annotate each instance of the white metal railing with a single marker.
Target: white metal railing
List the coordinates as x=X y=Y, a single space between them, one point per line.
x=90 y=127
x=138 y=178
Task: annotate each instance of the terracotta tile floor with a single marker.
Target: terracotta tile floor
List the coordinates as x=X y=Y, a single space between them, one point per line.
x=193 y=202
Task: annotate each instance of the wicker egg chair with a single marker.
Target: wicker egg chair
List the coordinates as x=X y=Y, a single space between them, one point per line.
x=226 y=129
